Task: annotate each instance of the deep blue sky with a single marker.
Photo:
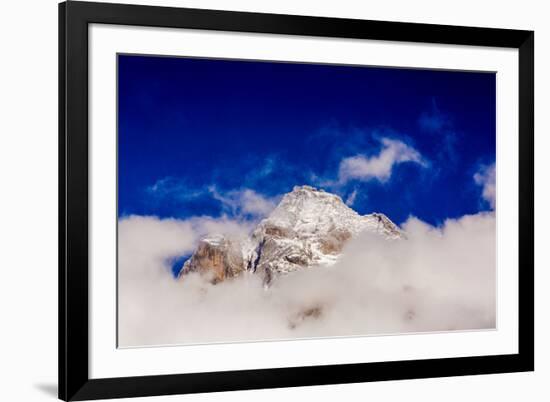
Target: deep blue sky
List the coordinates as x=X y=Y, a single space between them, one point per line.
x=188 y=126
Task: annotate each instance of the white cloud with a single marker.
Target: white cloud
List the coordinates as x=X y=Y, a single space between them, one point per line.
x=149 y=240
x=351 y=198
x=244 y=201
x=363 y=168
x=486 y=177
x=437 y=279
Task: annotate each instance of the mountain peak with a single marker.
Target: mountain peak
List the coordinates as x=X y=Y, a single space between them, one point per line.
x=308 y=204
x=308 y=227
x=304 y=187
x=305 y=191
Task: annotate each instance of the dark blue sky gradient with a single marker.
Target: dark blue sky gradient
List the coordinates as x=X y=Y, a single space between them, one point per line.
x=189 y=124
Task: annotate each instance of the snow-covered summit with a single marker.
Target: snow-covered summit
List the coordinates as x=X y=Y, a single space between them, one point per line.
x=309 y=227
x=308 y=210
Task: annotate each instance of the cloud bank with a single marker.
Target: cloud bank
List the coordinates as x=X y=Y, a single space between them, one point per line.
x=439 y=279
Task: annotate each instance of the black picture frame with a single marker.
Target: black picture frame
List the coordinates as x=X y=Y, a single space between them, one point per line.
x=74 y=381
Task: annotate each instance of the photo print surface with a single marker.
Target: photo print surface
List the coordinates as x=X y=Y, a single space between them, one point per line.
x=263 y=200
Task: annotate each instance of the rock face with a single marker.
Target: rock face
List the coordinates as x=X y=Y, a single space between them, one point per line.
x=308 y=228
x=217 y=257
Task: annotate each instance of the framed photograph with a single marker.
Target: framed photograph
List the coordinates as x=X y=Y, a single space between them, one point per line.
x=257 y=201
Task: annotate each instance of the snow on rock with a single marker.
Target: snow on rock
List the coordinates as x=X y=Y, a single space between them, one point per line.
x=308 y=228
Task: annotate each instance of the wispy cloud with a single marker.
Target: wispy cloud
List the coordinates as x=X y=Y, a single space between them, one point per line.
x=173 y=187
x=255 y=198
x=378 y=167
x=350 y=199
x=441 y=127
x=486 y=178
x=244 y=201
x=235 y=202
x=267 y=167
x=433 y=120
